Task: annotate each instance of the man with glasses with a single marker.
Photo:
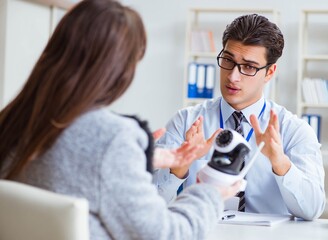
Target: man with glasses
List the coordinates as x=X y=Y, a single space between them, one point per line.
x=288 y=177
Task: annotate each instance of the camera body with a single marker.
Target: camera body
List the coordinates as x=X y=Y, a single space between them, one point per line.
x=230 y=149
x=225 y=166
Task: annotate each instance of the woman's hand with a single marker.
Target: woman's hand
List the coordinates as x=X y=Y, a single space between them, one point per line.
x=226 y=191
x=158 y=133
x=229 y=191
x=174 y=158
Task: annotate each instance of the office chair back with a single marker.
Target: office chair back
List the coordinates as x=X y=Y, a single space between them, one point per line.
x=30 y=213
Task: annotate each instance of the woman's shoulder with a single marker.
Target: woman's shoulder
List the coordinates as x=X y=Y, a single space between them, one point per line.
x=102 y=125
x=106 y=120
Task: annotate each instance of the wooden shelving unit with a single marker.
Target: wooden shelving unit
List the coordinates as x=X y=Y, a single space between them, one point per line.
x=308 y=56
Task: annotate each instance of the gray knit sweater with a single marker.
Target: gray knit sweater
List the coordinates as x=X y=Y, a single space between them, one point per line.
x=101 y=157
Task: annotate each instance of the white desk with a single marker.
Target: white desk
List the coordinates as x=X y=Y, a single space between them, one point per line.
x=298 y=230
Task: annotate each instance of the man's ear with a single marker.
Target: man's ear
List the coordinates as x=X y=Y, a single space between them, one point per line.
x=270 y=72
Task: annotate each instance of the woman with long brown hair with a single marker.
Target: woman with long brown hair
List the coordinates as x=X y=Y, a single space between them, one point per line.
x=58 y=135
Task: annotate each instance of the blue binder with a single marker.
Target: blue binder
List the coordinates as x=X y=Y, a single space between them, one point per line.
x=192 y=78
x=201 y=80
x=314 y=120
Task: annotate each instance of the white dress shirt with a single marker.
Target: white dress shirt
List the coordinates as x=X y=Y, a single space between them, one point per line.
x=299 y=192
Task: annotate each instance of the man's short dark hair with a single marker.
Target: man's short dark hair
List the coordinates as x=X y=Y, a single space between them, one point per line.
x=256 y=30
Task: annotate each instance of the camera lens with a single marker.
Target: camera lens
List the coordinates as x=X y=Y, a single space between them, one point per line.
x=224 y=138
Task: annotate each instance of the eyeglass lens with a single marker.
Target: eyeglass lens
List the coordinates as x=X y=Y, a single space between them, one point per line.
x=228 y=64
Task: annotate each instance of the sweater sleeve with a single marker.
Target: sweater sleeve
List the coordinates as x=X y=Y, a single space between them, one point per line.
x=130 y=207
x=166 y=182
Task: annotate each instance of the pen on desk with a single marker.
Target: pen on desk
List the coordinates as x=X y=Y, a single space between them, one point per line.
x=226 y=217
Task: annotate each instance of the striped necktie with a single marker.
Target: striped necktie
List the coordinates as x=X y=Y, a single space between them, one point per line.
x=238 y=117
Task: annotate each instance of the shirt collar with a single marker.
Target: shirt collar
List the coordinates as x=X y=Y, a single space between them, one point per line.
x=255 y=108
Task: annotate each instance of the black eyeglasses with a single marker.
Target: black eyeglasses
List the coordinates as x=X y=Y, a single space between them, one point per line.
x=245 y=69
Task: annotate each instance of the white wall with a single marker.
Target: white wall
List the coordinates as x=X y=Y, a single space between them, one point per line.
x=22 y=41
x=22 y=47
x=25 y=27
x=157 y=90
x=3 y=16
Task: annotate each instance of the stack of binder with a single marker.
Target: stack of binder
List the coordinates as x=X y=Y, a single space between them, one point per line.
x=202 y=41
x=314 y=120
x=201 y=79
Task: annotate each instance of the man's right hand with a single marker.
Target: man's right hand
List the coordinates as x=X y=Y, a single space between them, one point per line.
x=195 y=137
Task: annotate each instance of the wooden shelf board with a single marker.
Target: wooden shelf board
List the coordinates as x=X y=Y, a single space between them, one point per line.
x=313 y=105
x=203 y=54
x=315 y=11
x=233 y=10
x=64 y=4
x=315 y=57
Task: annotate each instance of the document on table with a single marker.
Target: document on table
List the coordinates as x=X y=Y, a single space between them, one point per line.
x=245 y=218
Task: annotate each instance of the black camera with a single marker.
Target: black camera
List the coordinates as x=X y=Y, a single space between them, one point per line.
x=226 y=164
x=230 y=149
